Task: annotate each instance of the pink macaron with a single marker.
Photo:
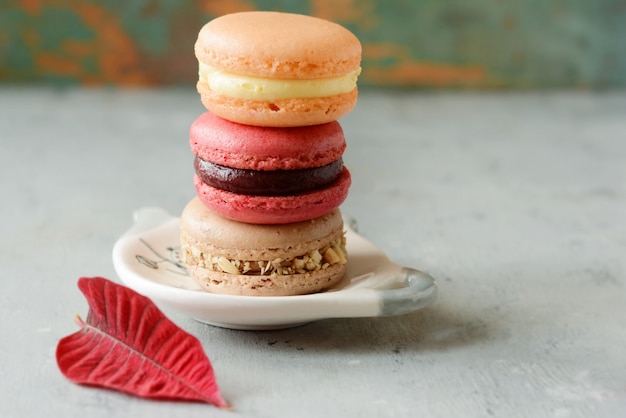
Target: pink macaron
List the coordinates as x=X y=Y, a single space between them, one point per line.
x=268 y=175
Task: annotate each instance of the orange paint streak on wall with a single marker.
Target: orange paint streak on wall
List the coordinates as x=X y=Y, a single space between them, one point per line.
x=405 y=70
x=385 y=50
x=118 y=58
x=425 y=74
x=116 y=55
x=32 y=6
x=219 y=8
x=77 y=48
x=58 y=65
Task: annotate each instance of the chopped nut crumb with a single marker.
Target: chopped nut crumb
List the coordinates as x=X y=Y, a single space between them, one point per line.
x=314 y=260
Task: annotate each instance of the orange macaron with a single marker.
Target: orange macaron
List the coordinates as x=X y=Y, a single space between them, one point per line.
x=277 y=69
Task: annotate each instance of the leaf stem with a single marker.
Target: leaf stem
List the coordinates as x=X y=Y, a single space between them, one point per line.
x=79 y=321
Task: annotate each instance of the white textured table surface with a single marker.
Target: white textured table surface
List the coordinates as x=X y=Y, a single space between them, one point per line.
x=516 y=203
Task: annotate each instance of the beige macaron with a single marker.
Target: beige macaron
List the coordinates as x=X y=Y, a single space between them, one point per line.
x=277 y=69
x=230 y=257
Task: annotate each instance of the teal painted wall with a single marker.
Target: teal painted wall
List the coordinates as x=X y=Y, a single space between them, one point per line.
x=420 y=43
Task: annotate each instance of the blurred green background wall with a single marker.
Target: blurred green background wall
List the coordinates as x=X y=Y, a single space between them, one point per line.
x=419 y=43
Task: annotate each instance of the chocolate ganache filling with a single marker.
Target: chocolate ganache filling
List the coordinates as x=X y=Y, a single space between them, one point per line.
x=267 y=183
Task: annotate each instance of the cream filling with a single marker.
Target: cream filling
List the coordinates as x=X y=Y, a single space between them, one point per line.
x=260 y=88
x=314 y=260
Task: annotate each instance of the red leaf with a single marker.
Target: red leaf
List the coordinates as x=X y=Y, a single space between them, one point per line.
x=128 y=344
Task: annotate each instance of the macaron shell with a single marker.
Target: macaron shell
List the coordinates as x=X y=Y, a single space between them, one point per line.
x=280 y=112
x=274 y=209
x=235 y=145
x=278 y=45
x=212 y=234
x=284 y=285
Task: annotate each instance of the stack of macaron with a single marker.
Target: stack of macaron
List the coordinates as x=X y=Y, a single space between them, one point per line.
x=269 y=173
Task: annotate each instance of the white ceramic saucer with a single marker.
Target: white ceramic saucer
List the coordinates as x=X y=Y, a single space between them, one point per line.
x=147 y=259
